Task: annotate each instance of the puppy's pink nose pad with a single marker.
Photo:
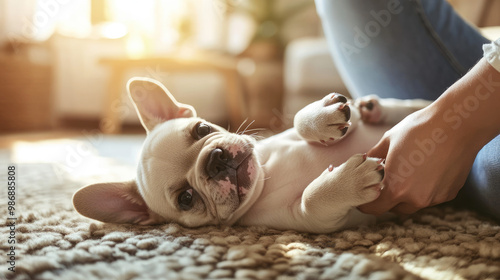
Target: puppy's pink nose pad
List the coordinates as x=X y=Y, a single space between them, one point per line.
x=217 y=162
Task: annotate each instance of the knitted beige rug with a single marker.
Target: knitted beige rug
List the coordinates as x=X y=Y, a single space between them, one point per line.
x=53 y=242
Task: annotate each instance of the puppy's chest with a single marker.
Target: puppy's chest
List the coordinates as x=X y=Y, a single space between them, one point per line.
x=290 y=163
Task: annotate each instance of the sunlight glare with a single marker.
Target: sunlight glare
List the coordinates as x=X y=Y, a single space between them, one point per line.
x=113 y=30
x=75 y=159
x=135 y=46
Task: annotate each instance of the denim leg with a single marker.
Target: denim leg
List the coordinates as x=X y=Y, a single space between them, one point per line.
x=482 y=189
x=462 y=41
x=399 y=48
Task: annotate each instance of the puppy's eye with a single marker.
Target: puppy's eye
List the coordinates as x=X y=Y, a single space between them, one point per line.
x=201 y=130
x=185 y=199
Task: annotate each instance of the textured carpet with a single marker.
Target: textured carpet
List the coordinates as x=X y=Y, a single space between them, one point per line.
x=54 y=242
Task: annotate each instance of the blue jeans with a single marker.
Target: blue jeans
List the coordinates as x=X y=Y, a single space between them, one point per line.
x=410 y=49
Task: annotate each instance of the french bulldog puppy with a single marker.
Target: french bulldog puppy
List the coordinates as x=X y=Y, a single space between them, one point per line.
x=196 y=173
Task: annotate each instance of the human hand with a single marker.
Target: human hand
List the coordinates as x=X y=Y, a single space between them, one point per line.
x=427 y=162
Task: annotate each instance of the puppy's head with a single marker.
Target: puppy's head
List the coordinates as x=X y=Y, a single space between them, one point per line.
x=191 y=171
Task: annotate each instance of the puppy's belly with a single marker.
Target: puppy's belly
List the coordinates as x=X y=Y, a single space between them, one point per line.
x=359 y=141
x=291 y=164
x=287 y=155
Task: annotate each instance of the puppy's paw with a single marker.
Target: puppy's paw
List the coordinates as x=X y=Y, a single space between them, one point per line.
x=334 y=121
x=370 y=109
x=325 y=121
x=361 y=177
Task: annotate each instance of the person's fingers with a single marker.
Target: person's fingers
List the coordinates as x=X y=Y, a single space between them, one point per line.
x=412 y=206
x=405 y=209
x=380 y=149
x=382 y=204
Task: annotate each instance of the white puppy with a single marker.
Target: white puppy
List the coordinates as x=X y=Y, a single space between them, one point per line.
x=196 y=173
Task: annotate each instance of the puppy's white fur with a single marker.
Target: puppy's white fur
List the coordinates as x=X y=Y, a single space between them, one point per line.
x=196 y=173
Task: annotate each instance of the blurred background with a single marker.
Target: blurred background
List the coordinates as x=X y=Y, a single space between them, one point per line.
x=64 y=63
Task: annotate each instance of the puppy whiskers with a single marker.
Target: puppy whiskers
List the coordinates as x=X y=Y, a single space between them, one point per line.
x=246 y=128
x=264 y=179
x=255 y=129
x=254 y=135
x=241 y=125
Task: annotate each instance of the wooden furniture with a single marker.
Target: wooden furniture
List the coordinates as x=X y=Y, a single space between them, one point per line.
x=25 y=95
x=481 y=13
x=224 y=65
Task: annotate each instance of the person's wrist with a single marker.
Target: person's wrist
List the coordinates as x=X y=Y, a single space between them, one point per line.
x=450 y=119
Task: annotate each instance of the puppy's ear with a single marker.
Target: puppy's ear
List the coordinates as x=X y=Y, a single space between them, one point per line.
x=155 y=104
x=118 y=203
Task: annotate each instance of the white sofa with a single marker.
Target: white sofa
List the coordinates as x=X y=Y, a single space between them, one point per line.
x=309 y=73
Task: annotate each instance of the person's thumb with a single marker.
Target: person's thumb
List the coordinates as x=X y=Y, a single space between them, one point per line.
x=380 y=150
x=381 y=205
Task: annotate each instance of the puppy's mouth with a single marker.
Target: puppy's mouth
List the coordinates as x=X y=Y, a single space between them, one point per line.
x=243 y=177
x=233 y=170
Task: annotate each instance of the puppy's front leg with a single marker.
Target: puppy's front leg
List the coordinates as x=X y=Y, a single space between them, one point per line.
x=326 y=201
x=326 y=121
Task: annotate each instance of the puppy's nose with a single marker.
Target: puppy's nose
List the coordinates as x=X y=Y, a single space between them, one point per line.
x=217 y=162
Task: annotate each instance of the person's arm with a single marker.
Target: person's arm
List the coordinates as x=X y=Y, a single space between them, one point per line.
x=430 y=153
